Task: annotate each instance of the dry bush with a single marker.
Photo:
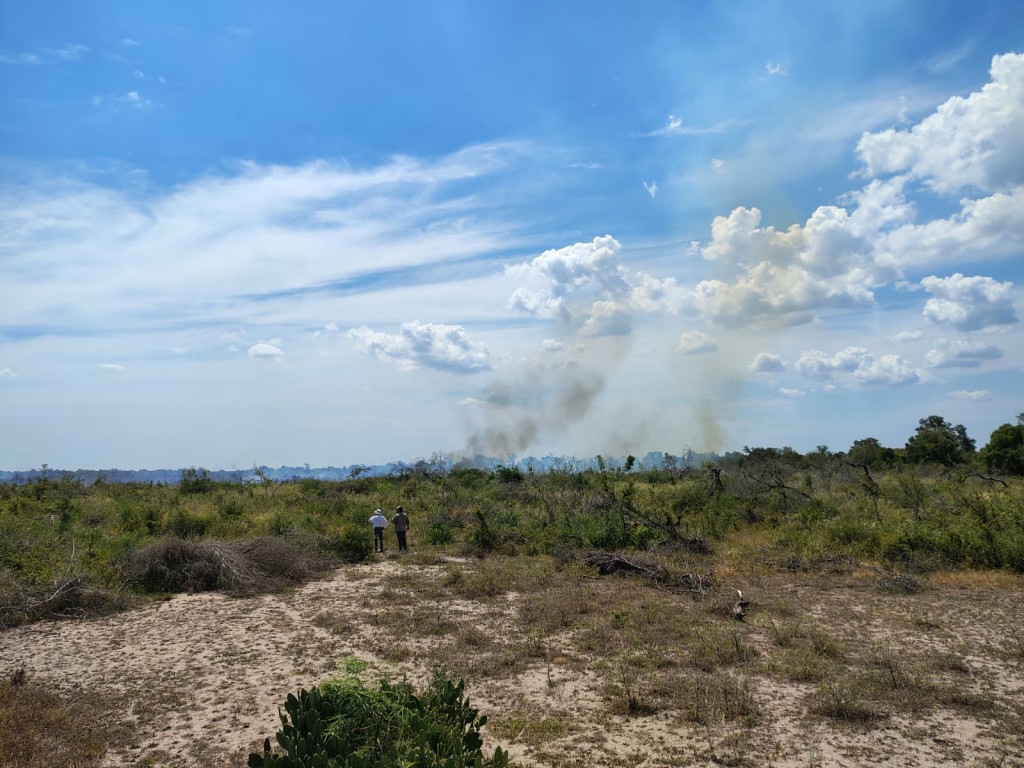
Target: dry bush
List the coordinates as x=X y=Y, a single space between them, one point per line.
x=181 y=565
x=248 y=567
x=280 y=562
x=70 y=596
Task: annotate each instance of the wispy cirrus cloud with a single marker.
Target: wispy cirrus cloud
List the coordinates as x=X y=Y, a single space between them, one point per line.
x=20 y=59
x=674 y=126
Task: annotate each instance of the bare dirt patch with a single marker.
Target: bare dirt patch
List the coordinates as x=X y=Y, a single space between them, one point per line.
x=572 y=669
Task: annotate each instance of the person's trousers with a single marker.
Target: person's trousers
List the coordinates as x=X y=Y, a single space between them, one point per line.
x=378 y=539
x=401 y=539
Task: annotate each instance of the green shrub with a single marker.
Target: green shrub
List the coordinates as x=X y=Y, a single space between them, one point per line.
x=344 y=724
x=185 y=525
x=351 y=543
x=439 y=533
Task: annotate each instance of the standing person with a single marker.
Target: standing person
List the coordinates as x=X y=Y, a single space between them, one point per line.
x=401 y=521
x=379 y=523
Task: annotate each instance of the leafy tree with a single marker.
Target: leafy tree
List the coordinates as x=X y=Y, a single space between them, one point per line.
x=936 y=440
x=195 y=481
x=870 y=452
x=1005 y=449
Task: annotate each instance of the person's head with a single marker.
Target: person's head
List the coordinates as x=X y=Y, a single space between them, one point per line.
x=398 y=509
x=377 y=512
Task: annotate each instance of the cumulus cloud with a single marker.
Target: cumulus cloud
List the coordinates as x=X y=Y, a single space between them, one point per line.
x=263 y=351
x=695 y=342
x=786 y=275
x=608 y=317
x=961 y=354
x=973 y=394
x=977 y=141
x=425 y=345
x=843 y=253
x=969 y=303
x=990 y=227
x=791 y=392
x=331 y=329
x=857 y=365
x=583 y=282
x=766 y=362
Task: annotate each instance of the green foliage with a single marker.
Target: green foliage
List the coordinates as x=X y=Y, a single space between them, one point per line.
x=939 y=442
x=439 y=533
x=771 y=505
x=350 y=543
x=195 y=481
x=345 y=724
x=1005 y=450
x=871 y=453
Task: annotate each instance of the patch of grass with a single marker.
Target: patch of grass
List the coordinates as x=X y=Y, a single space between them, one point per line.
x=42 y=727
x=712 y=698
x=848 y=698
x=531 y=728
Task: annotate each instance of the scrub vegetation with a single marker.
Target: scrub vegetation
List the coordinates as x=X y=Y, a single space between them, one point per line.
x=637 y=579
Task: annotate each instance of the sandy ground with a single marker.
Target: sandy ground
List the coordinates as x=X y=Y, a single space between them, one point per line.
x=198 y=680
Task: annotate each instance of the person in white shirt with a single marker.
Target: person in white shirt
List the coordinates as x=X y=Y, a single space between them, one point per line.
x=379 y=523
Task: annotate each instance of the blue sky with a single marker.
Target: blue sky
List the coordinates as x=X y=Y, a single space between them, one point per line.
x=241 y=233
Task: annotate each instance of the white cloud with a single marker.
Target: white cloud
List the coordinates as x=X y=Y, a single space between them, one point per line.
x=552 y=345
x=786 y=275
x=127 y=41
x=982 y=229
x=7 y=373
x=133 y=98
x=974 y=394
x=961 y=354
x=608 y=317
x=695 y=342
x=969 y=303
x=717 y=164
x=857 y=365
x=111 y=367
x=674 y=127
x=766 y=362
x=263 y=351
x=791 y=392
x=70 y=52
x=217 y=247
x=331 y=329
x=425 y=345
x=977 y=141
x=906 y=336
x=652 y=189
x=19 y=59
x=774 y=68
x=583 y=282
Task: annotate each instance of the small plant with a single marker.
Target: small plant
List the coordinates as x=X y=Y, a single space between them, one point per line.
x=846 y=699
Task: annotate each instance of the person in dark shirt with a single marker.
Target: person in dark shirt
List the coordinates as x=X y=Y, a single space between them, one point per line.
x=401 y=523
